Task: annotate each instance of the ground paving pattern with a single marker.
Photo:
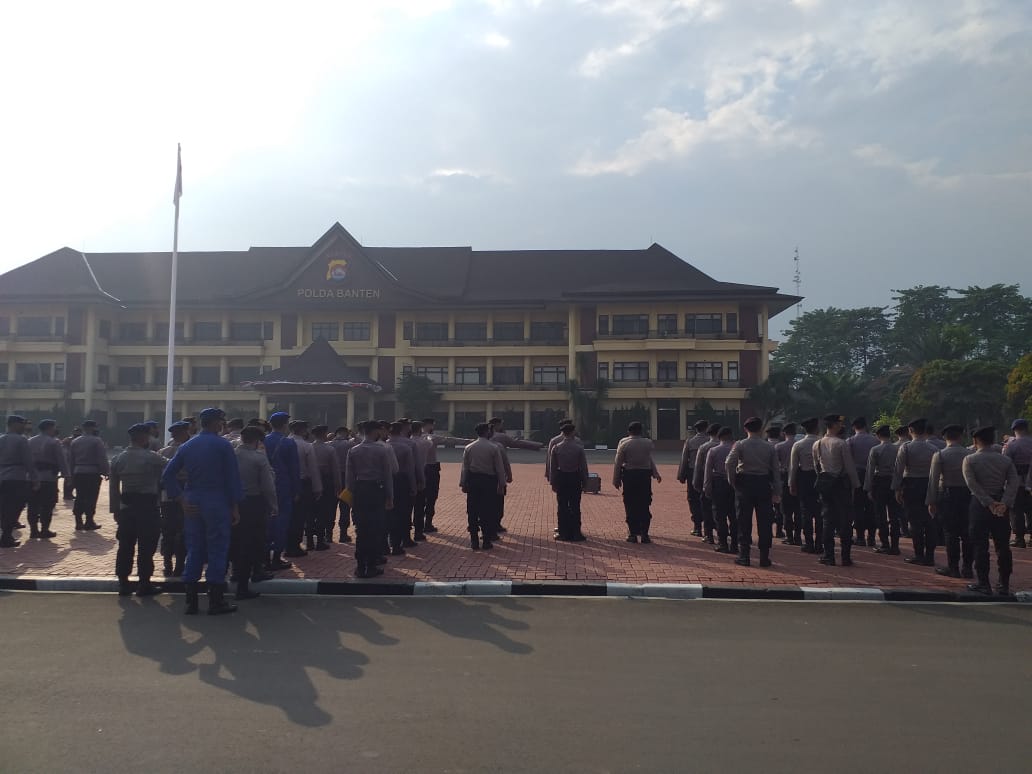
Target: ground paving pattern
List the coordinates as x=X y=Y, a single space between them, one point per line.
x=528 y=552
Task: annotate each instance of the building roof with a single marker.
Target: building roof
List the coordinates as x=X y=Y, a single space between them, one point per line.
x=413 y=275
x=319 y=366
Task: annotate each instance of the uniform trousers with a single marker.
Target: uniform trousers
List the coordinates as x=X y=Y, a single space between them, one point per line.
x=983 y=525
x=694 y=501
x=1022 y=509
x=343 y=519
x=247 y=537
x=139 y=526
x=922 y=527
x=837 y=514
x=863 y=513
x=41 y=506
x=13 y=496
x=87 y=489
x=279 y=527
x=432 y=471
x=400 y=516
x=173 y=540
x=418 y=511
x=302 y=514
x=482 y=504
x=886 y=511
x=953 y=510
x=723 y=505
x=368 y=504
x=708 y=516
x=789 y=511
x=568 y=489
x=753 y=494
x=325 y=509
x=207 y=536
x=637 y=500
x=811 y=521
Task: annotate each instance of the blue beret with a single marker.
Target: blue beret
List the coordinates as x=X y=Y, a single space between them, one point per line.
x=15 y=418
x=46 y=423
x=279 y=415
x=151 y=423
x=139 y=429
x=180 y=425
x=212 y=413
x=1019 y=424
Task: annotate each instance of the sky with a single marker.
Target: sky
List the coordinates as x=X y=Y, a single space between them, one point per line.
x=890 y=141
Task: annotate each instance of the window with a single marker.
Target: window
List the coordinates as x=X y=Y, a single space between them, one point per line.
x=161 y=375
x=630 y=324
x=547 y=331
x=245 y=331
x=132 y=331
x=666 y=324
x=704 y=324
x=406 y=331
x=432 y=331
x=666 y=371
x=59 y=326
x=34 y=373
x=103 y=374
x=732 y=371
x=207 y=331
x=161 y=331
x=603 y=325
x=4 y=372
x=204 y=375
x=105 y=329
x=355 y=331
x=704 y=372
x=33 y=326
x=549 y=374
x=732 y=322
x=471 y=331
x=436 y=374
x=328 y=331
x=240 y=374
x=5 y=326
x=631 y=372
x=129 y=376
x=470 y=375
x=603 y=371
x=59 y=373
x=267 y=328
x=508 y=374
x=508 y=331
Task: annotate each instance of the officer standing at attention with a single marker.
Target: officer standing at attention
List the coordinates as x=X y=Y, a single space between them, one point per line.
x=483 y=480
x=285 y=460
x=720 y=493
x=774 y=438
x=500 y=437
x=432 y=472
x=860 y=445
x=133 y=486
x=836 y=482
x=399 y=516
x=1019 y=449
x=154 y=444
x=173 y=538
x=881 y=465
x=18 y=478
x=994 y=483
x=210 y=506
x=569 y=476
x=548 y=468
x=419 y=447
x=698 y=481
x=933 y=440
x=329 y=476
x=369 y=477
x=633 y=469
x=89 y=461
x=259 y=487
x=755 y=476
x=802 y=483
x=342 y=443
x=950 y=499
x=305 y=513
x=686 y=473
x=789 y=502
x=910 y=483
x=48 y=457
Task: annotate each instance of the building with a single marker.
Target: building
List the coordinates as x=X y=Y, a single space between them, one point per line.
x=500 y=333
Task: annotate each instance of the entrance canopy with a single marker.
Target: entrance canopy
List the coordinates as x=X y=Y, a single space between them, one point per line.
x=318 y=369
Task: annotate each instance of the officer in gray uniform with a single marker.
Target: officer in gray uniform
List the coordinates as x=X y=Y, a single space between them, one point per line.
x=755 y=476
x=789 y=502
x=369 y=478
x=633 y=469
x=89 y=463
x=569 y=476
x=949 y=498
x=720 y=493
x=134 y=484
x=399 y=517
x=994 y=483
x=49 y=459
x=836 y=482
x=342 y=443
x=173 y=539
x=860 y=445
x=483 y=479
x=881 y=466
x=18 y=478
x=802 y=482
x=329 y=473
x=910 y=483
x=697 y=481
x=247 y=540
x=686 y=473
x=1019 y=449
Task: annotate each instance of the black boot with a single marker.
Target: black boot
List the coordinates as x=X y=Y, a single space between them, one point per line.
x=474 y=541
x=243 y=591
x=765 y=557
x=217 y=604
x=321 y=545
x=146 y=589
x=310 y=543
x=167 y=566
x=192 y=597
x=645 y=538
x=278 y=563
x=124 y=588
x=743 y=558
x=488 y=545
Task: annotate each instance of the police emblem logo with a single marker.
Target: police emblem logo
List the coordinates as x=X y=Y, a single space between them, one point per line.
x=337 y=270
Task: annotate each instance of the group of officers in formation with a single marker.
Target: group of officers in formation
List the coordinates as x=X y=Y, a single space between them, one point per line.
x=906 y=481
x=259 y=493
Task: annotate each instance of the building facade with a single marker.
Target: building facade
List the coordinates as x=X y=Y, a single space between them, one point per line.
x=498 y=333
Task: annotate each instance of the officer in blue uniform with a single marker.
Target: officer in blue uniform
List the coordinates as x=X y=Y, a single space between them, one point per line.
x=209 y=503
x=286 y=464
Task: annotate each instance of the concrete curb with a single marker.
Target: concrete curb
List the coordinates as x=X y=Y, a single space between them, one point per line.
x=505 y=588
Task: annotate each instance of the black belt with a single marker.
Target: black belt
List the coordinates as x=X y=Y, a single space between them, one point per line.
x=436 y=465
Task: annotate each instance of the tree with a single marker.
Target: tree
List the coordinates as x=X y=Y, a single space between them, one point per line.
x=1019 y=388
x=965 y=392
x=587 y=409
x=417 y=394
x=997 y=319
x=843 y=393
x=775 y=397
x=841 y=340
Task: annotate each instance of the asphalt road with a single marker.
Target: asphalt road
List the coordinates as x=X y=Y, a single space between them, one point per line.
x=99 y=683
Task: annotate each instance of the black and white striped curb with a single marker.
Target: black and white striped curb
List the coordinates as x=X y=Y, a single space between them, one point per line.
x=505 y=588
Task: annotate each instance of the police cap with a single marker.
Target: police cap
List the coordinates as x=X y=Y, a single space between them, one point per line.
x=809 y=425
x=279 y=415
x=1019 y=424
x=985 y=434
x=140 y=428
x=953 y=432
x=180 y=425
x=151 y=423
x=753 y=424
x=919 y=426
x=700 y=426
x=212 y=413
x=89 y=423
x=713 y=429
x=46 y=424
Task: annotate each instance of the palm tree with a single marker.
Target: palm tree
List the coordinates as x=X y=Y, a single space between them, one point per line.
x=775 y=397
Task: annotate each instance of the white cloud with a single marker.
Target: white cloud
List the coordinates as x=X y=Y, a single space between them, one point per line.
x=497 y=40
x=925 y=172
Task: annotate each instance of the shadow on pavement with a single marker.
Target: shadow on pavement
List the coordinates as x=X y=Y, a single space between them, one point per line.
x=1007 y=614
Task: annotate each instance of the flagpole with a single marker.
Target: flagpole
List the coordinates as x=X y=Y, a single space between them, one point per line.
x=170 y=372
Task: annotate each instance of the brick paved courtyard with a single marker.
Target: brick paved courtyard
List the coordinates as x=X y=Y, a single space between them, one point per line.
x=528 y=551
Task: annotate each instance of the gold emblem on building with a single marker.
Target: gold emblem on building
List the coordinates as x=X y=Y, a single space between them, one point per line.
x=337 y=270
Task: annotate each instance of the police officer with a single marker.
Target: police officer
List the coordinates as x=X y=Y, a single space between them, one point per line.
x=173 y=538
x=774 y=438
x=483 y=479
x=881 y=465
x=802 y=483
x=950 y=500
x=342 y=443
x=836 y=482
x=686 y=473
x=569 y=476
x=433 y=471
x=504 y=442
x=753 y=473
x=698 y=482
x=548 y=468
x=421 y=450
x=910 y=483
x=994 y=483
x=259 y=503
x=154 y=443
x=720 y=493
x=399 y=517
x=860 y=445
x=285 y=460
x=133 y=485
x=18 y=478
x=789 y=502
x=369 y=478
x=89 y=463
x=48 y=457
x=1019 y=449
x=330 y=481
x=303 y=519
x=633 y=469
x=210 y=506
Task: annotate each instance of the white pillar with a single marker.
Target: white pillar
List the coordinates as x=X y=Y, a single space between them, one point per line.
x=653 y=417
x=224 y=370
x=682 y=419
x=349 y=419
x=263 y=406
x=90 y=377
x=451 y=416
x=526 y=418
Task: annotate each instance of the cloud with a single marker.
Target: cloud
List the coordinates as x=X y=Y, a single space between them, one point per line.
x=497 y=40
x=925 y=172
